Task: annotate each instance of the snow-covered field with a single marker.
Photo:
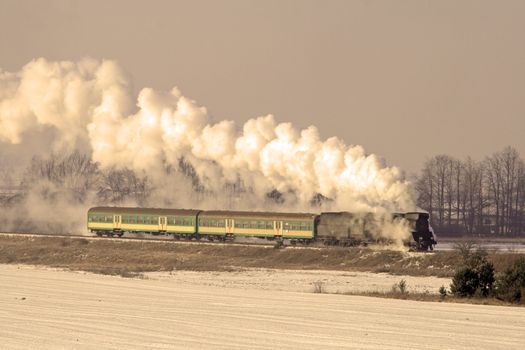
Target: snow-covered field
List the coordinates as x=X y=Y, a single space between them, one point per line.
x=44 y=308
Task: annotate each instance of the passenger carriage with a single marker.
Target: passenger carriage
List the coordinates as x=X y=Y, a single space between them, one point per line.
x=115 y=221
x=294 y=226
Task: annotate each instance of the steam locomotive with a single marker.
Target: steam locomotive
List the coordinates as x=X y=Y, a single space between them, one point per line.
x=329 y=228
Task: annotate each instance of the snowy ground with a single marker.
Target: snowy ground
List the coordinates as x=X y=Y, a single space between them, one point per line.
x=51 y=309
x=303 y=280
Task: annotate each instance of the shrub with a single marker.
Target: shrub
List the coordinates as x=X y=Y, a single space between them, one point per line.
x=442 y=292
x=511 y=285
x=465 y=248
x=318 y=286
x=465 y=282
x=400 y=287
x=485 y=272
x=476 y=276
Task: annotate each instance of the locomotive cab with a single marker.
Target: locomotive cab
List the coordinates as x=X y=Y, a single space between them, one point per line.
x=422 y=232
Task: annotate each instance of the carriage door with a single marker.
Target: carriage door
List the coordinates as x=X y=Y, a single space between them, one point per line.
x=278 y=228
x=162 y=223
x=116 y=222
x=229 y=225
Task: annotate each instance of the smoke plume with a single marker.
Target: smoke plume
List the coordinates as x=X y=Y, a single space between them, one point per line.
x=88 y=106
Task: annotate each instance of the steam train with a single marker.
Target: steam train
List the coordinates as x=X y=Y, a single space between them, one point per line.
x=330 y=228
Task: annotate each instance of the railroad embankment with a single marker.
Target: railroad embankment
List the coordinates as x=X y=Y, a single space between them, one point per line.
x=129 y=258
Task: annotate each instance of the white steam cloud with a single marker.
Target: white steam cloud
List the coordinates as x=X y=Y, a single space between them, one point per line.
x=89 y=105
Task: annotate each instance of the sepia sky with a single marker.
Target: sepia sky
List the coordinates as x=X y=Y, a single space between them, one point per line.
x=405 y=79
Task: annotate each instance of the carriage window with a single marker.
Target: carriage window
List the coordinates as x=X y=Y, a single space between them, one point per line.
x=269 y=225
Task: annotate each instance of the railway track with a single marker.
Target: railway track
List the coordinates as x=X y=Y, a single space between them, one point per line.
x=155 y=240
x=169 y=240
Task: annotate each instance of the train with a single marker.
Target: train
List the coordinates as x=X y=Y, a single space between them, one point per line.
x=327 y=228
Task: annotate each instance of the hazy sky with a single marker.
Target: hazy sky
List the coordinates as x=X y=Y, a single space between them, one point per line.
x=405 y=79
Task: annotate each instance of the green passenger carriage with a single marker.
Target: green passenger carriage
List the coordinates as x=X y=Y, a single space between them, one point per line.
x=115 y=221
x=189 y=223
x=257 y=224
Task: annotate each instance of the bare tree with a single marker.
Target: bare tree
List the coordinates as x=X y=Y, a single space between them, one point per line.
x=461 y=194
x=74 y=173
x=424 y=185
x=504 y=175
x=458 y=173
x=472 y=194
x=117 y=185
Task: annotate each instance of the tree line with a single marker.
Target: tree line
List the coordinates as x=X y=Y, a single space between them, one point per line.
x=462 y=196
x=471 y=196
x=75 y=176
